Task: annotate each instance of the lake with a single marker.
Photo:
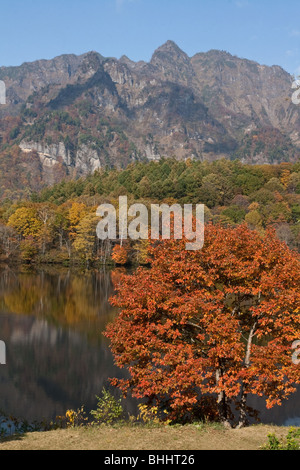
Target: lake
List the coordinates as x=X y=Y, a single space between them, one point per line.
x=57 y=358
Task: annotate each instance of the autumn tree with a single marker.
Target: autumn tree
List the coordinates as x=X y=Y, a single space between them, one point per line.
x=28 y=226
x=26 y=222
x=45 y=214
x=216 y=323
x=85 y=239
x=76 y=214
x=9 y=244
x=120 y=254
x=141 y=251
x=62 y=228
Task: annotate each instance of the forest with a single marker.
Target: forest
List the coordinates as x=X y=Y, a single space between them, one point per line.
x=58 y=224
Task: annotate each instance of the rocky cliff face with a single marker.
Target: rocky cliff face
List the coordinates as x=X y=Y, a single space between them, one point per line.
x=87 y=111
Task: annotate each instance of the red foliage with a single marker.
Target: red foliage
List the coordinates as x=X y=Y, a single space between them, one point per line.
x=120 y=254
x=219 y=322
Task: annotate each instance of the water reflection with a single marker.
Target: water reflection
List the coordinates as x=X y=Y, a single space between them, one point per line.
x=57 y=358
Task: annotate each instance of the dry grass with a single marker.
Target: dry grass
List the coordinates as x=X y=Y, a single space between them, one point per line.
x=137 y=438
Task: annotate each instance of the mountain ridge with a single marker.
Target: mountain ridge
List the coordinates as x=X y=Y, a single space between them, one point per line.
x=83 y=112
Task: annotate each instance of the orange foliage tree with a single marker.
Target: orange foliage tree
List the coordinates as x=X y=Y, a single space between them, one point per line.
x=216 y=324
x=120 y=254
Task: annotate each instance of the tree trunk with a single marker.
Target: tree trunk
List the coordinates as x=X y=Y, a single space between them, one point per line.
x=243 y=421
x=243 y=403
x=68 y=246
x=222 y=403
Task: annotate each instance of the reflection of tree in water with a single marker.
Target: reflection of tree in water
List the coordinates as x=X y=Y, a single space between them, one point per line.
x=52 y=324
x=78 y=300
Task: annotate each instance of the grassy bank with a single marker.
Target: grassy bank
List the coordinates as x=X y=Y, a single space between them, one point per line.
x=190 y=437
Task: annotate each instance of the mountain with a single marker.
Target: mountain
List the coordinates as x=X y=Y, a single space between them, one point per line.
x=68 y=116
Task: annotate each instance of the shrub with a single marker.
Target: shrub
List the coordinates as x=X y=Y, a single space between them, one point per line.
x=150 y=415
x=291 y=442
x=109 y=409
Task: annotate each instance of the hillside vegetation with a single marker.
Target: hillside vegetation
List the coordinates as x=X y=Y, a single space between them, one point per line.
x=58 y=224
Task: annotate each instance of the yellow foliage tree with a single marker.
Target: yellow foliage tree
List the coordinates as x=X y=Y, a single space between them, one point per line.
x=76 y=213
x=26 y=222
x=85 y=237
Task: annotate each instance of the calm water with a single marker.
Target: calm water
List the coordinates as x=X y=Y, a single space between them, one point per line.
x=57 y=357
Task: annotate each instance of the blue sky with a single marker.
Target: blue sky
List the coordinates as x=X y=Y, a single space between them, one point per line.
x=262 y=30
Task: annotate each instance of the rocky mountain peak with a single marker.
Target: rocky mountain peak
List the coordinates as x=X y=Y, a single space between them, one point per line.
x=83 y=112
x=173 y=64
x=168 y=52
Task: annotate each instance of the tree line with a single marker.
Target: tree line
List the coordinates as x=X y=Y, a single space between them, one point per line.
x=58 y=224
